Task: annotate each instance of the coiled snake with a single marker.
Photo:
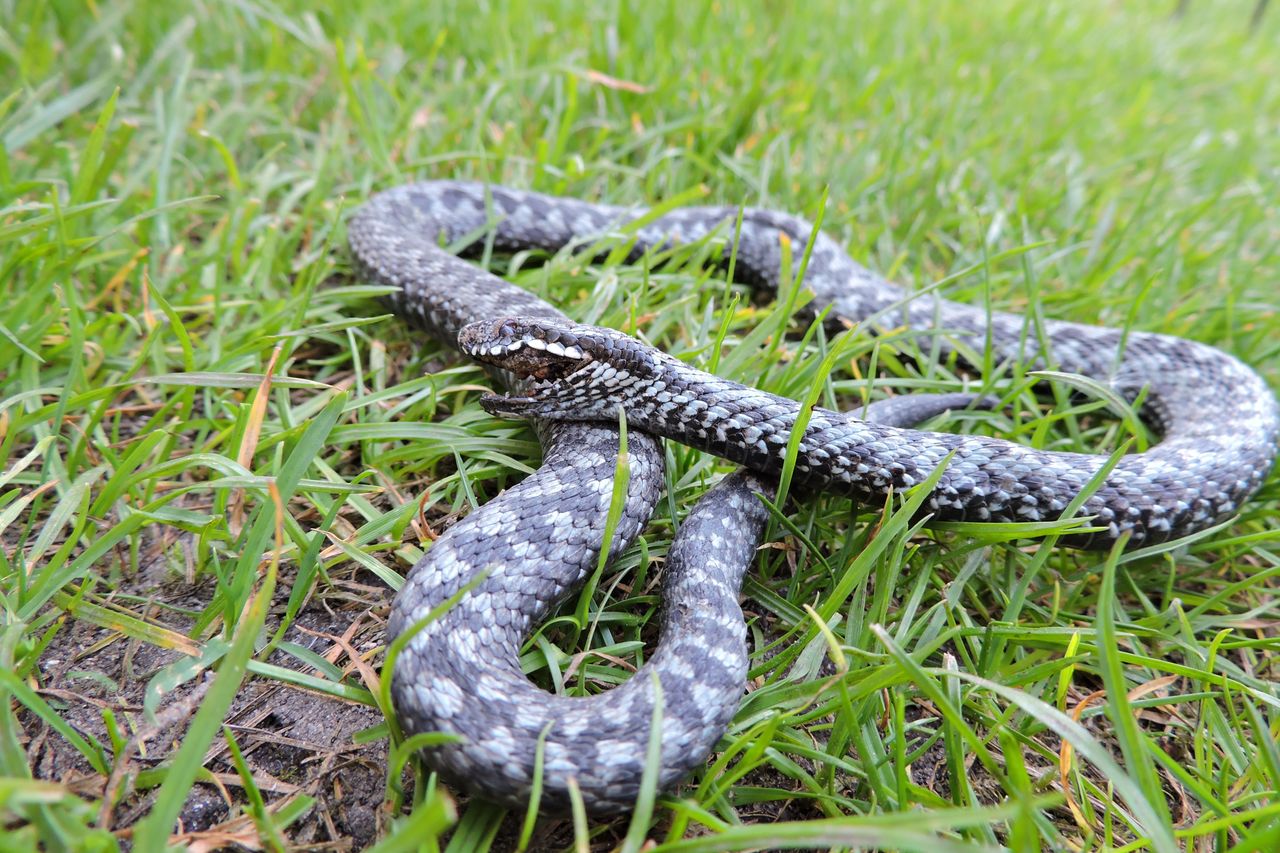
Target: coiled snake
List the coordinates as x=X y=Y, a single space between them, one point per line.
x=535 y=543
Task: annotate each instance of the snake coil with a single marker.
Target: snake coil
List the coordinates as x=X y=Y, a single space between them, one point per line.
x=532 y=545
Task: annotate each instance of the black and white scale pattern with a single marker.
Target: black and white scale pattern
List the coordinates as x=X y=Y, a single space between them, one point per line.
x=536 y=542
x=1195 y=477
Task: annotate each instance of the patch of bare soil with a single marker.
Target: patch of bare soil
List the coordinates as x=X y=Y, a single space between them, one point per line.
x=295 y=742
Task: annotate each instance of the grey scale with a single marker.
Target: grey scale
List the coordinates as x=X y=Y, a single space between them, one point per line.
x=537 y=541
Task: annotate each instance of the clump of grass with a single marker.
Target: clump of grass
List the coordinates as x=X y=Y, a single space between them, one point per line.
x=214 y=439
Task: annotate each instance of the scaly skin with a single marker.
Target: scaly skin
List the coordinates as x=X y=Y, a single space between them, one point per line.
x=1199 y=474
x=535 y=543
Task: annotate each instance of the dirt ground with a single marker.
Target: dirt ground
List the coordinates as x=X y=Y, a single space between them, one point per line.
x=294 y=741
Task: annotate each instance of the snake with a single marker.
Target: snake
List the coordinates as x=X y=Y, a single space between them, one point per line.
x=468 y=605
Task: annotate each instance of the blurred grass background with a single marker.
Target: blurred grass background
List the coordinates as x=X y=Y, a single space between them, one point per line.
x=174 y=179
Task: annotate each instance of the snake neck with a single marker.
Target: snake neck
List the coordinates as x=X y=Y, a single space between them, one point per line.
x=754 y=428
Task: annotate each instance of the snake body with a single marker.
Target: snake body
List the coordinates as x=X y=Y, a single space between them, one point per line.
x=1199 y=474
x=525 y=550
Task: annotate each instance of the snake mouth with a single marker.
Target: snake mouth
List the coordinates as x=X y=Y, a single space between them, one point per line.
x=528 y=353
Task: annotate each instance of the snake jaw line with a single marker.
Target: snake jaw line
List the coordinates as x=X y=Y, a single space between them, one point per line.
x=504 y=406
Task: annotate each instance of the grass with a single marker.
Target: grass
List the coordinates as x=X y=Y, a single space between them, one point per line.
x=219 y=455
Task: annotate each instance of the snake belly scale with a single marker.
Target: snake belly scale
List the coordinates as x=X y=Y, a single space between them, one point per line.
x=533 y=544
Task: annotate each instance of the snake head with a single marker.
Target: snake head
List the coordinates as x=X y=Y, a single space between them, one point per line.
x=571 y=372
